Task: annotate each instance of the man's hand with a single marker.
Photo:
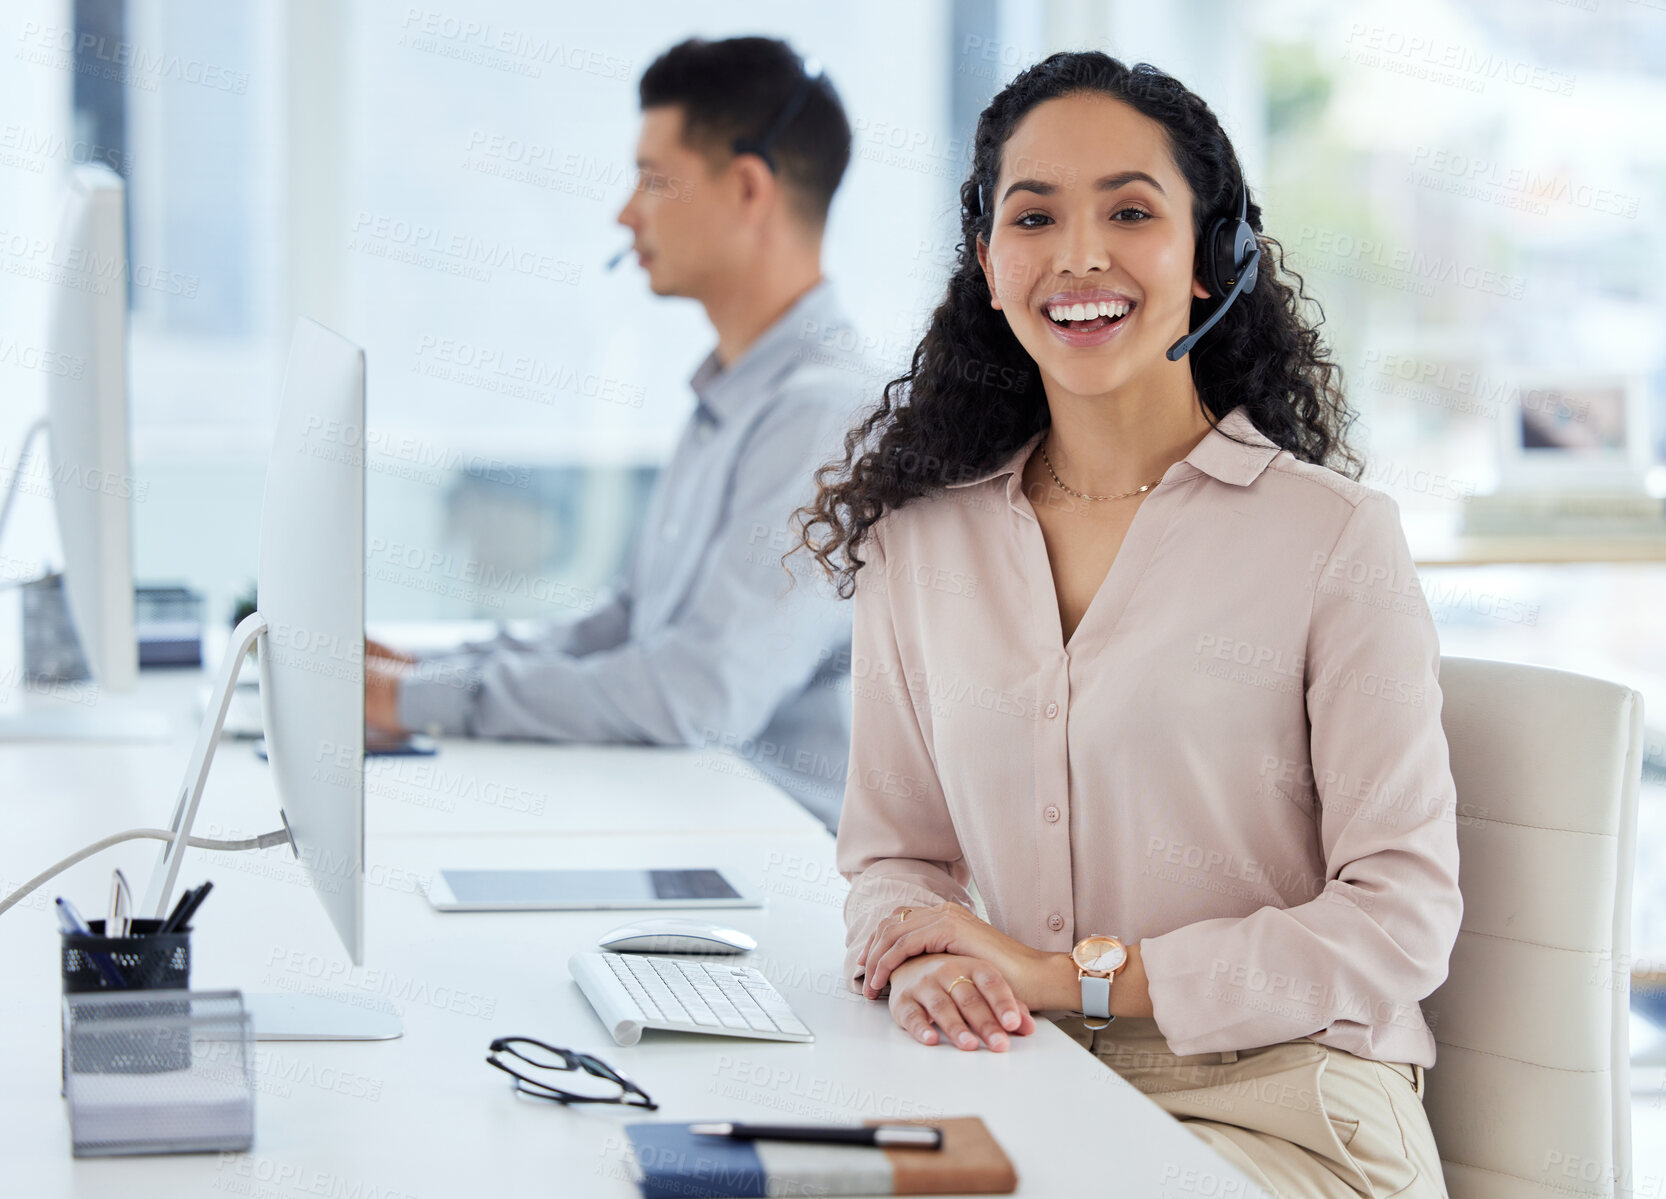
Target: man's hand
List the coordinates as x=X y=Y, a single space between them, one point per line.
x=950 y=928
x=924 y=992
x=375 y=649
x=381 y=694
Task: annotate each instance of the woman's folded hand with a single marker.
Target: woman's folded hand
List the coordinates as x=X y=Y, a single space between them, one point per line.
x=949 y=928
x=966 y=997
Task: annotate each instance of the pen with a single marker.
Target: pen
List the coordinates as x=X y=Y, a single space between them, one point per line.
x=121 y=903
x=69 y=921
x=172 y=922
x=919 y=1136
x=190 y=903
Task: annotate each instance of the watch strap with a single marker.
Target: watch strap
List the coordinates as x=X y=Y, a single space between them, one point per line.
x=1096 y=1000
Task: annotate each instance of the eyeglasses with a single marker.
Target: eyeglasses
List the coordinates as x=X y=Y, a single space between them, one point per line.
x=540 y=1056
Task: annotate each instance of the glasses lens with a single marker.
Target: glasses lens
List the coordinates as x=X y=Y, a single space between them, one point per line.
x=582 y=1086
x=534 y=1054
x=542 y=1068
x=595 y=1065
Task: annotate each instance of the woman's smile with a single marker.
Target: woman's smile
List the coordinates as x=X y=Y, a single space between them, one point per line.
x=1088 y=318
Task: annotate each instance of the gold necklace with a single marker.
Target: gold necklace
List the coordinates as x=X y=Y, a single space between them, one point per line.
x=1081 y=495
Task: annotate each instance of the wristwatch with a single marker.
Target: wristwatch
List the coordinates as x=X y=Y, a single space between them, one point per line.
x=1097 y=960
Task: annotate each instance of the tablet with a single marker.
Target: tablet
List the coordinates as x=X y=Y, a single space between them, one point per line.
x=558 y=890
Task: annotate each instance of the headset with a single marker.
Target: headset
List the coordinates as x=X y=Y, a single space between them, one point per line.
x=809 y=76
x=1227 y=259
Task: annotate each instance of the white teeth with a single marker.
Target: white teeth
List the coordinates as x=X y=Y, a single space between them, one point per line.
x=1082 y=312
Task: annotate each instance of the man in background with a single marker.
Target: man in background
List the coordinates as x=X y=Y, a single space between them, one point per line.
x=740 y=152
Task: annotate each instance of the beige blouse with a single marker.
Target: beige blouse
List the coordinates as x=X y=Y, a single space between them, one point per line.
x=1238 y=760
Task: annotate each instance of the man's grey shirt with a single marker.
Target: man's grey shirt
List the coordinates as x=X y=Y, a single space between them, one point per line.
x=707 y=640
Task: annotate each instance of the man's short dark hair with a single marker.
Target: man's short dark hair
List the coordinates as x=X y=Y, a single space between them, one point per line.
x=736 y=88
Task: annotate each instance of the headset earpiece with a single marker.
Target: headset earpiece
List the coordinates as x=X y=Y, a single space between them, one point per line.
x=1228 y=257
x=1228 y=243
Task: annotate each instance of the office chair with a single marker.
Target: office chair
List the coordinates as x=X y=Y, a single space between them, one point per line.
x=1530 y=1094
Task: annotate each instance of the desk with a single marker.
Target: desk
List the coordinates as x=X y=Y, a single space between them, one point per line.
x=1475 y=549
x=473 y=786
x=424 y=1115
x=1438 y=539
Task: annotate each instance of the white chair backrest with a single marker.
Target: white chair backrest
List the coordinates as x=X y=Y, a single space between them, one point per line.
x=1530 y=1091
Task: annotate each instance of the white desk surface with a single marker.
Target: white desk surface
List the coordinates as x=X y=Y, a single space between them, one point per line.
x=424 y=1115
x=471 y=786
x=1542 y=549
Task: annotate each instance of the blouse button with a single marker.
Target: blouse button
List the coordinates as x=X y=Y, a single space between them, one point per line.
x=1055 y=922
x=1052 y=711
x=1052 y=814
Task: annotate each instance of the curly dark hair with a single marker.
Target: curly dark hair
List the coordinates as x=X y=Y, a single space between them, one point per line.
x=972 y=394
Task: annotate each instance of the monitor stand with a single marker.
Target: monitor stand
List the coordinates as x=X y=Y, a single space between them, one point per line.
x=277 y=1016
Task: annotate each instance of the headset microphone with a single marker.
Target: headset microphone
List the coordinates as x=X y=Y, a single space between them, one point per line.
x=1230 y=255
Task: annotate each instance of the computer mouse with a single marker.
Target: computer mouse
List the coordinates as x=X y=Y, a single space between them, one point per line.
x=675 y=934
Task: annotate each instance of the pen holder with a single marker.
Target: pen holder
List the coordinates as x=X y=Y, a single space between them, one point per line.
x=158 y=1071
x=144 y=961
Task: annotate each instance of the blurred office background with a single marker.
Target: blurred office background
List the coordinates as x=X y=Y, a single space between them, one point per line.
x=1471 y=188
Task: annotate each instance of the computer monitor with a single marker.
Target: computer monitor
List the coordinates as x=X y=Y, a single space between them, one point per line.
x=310 y=589
x=89 y=468
x=309 y=630
x=92 y=472
x=86 y=424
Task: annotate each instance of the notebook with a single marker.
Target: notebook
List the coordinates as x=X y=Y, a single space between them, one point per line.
x=669 y=1162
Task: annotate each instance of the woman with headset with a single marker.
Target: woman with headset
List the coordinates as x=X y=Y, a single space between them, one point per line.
x=1140 y=670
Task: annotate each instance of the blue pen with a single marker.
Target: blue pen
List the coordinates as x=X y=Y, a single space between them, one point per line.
x=69 y=921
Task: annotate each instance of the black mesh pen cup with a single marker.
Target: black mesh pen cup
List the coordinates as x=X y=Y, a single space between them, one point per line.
x=144 y=961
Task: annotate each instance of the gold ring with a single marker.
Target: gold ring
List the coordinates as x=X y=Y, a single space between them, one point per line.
x=904 y=914
x=962 y=979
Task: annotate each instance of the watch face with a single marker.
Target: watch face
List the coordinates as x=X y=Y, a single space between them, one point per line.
x=1109 y=960
x=1101 y=955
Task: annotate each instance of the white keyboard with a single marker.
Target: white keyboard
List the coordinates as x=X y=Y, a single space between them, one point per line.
x=632 y=991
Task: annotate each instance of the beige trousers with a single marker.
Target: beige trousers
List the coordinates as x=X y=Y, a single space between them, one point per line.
x=1301 y=1119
